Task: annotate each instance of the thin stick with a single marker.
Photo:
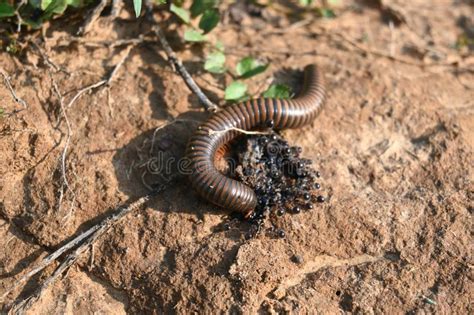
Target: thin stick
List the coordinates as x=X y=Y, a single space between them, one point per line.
x=169 y=123
x=119 y=64
x=65 y=182
x=116 y=8
x=66 y=41
x=92 y=18
x=50 y=259
x=15 y=97
x=24 y=305
x=104 y=81
x=84 y=90
x=178 y=66
x=98 y=230
x=89 y=236
x=18 y=16
x=47 y=60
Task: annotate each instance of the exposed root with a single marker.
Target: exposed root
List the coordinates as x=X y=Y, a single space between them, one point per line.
x=100 y=83
x=16 y=98
x=85 y=90
x=116 y=8
x=64 y=181
x=66 y=41
x=179 y=67
x=18 y=16
x=165 y=125
x=48 y=60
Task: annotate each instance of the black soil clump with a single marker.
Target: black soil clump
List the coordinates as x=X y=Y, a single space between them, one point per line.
x=283 y=181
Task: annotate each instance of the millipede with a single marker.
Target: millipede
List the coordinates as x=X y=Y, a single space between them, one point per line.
x=223 y=127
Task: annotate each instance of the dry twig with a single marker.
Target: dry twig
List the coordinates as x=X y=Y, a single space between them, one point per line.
x=94 y=231
x=49 y=260
x=18 y=16
x=85 y=239
x=178 y=66
x=68 y=40
x=65 y=184
x=15 y=97
x=102 y=82
x=48 y=60
x=92 y=17
x=116 y=8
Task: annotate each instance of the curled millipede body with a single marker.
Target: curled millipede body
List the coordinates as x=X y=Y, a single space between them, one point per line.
x=220 y=129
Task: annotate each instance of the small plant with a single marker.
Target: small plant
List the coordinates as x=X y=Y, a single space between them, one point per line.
x=277 y=91
x=34 y=12
x=236 y=91
x=206 y=13
x=200 y=18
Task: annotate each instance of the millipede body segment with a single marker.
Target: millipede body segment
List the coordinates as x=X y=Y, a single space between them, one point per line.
x=220 y=129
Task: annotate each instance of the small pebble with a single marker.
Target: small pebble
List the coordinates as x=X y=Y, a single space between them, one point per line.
x=297 y=259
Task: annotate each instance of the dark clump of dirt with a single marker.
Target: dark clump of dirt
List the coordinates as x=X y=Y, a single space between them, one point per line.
x=282 y=179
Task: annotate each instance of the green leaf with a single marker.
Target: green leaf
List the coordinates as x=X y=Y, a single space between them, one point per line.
x=326 y=13
x=192 y=35
x=45 y=4
x=306 y=2
x=215 y=62
x=249 y=66
x=32 y=23
x=35 y=3
x=209 y=20
x=235 y=91
x=137 y=6
x=183 y=14
x=6 y=10
x=53 y=6
x=199 y=6
x=58 y=6
x=219 y=46
x=277 y=91
x=75 y=3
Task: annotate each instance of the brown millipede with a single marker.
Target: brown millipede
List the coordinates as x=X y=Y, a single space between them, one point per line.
x=221 y=190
